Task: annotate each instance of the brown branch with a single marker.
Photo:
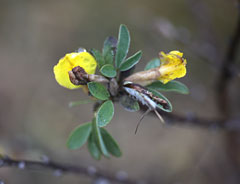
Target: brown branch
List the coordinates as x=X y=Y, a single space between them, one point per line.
x=191 y=120
x=223 y=99
x=226 y=73
x=194 y=121
x=59 y=168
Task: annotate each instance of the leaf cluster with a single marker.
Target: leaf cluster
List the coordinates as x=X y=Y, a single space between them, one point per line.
x=112 y=62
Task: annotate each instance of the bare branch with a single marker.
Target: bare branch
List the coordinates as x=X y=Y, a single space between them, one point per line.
x=6 y=161
x=191 y=120
x=226 y=73
x=223 y=98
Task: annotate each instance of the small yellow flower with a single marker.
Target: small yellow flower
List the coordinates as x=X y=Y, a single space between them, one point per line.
x=68 y=62
x=173 y=66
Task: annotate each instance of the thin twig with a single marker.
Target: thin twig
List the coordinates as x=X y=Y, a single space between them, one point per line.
x=223 y=98
x=62 y=168
x=194 y=121
x=191 y=120
x=226 y=72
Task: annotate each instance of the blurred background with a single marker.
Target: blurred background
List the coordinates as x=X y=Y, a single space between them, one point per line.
x=35 y=119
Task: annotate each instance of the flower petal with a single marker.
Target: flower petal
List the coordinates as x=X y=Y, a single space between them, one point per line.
x=176 y=52
x=172 y=66
x=68 y=62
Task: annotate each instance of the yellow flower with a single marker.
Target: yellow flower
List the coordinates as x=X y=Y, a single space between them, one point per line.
x=173 y=66
x=68 y=62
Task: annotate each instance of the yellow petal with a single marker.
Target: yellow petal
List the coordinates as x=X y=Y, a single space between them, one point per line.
x=172 y=66
x=68 y=62
x=176 y=52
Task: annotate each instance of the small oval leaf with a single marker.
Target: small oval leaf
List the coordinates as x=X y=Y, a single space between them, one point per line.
x=98 y=137
x=109 y=44
x=109 y=47
x=153 y=64
x=109 y=57
x=98 y=56
x=108 y=71
x=93 y=148
x=157 y=93
x=98 y=90
x=129 y=103
x=79 y=136
x=105 y=113
x=110 y=143
x=131 y=61
x=173 y=85
x=123 y=45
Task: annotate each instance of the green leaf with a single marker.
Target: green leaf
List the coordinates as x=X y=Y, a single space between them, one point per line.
x=98 y=137
x=175 y=86
x=153 y=64
x=98 y=90
x=123 y=45
x=160 y=95
x=109 y=57
x=80 y=102
x=131 y=61
x=108 y=71
x=98 y=56
x=93 y=148
x=105 y=113
x=79 y=136
x=109 y=46
x=110 y=143
x=129 y=103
